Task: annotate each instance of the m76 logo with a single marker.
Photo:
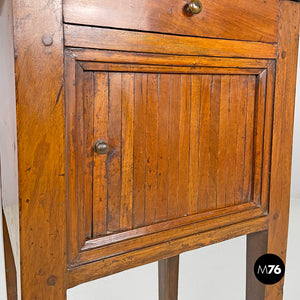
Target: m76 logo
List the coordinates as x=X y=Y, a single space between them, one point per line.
x=269 y=269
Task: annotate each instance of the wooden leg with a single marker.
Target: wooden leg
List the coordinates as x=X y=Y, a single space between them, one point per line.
x=10 y=268
x=256 y=246
x=168 y=278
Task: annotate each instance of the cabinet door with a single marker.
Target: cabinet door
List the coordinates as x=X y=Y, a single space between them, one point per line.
x=185 y=143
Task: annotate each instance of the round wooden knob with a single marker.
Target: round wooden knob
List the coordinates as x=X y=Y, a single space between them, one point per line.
x=101 y=147
x=193 y=8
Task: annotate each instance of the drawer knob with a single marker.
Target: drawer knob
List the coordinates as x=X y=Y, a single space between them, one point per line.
x=101 y=147
x=193 y=8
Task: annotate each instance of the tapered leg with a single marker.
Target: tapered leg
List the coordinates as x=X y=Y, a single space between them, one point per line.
x=256 y=246
x=168 y=278
x=10 y=268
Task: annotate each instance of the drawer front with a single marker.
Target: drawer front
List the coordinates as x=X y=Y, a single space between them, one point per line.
x=185 y=143
x=255 y=20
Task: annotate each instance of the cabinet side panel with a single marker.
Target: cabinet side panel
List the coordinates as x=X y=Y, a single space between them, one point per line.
x=38 y=40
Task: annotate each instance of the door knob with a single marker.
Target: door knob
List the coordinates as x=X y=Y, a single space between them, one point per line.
x=101 y=147
x=193 y=8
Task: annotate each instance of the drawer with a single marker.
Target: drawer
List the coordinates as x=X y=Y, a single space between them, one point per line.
x=255 y=20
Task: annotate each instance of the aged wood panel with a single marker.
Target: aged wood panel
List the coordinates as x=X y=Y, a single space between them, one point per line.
x=194 y=144
x=151 y=131
x=155 y=138
x=173 y=151
x=213 y=131
x=41 y=148
x=163 y=146
x=232 y=140
x=164 y=228
x=139 y=239
x=179 y=149
x=114 y=156
x=88 y=153
x=163 y=250
x=285 y=83
x=164 y=59
x=184 y=144
x=257 y=19
x=139 y=153
x=223 y=141
x=110 y=39
x=241 y=140
x=99 y=171
x=204 y=142
x=127 y=106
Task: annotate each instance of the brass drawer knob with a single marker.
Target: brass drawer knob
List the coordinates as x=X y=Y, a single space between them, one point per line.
x=193 y=8
x=101 y=147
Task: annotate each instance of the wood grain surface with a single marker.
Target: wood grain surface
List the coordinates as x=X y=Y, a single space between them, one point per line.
x=111 y=265
x=122 y=97
x=285 y=84
x=198 y=116
x=111 y=39
x=41 y=148
x=183 y=141
x=254 y=20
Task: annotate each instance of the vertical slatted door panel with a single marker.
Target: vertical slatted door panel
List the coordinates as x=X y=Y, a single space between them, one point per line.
x=151 y=130
x=184 y=145
x=163 y=146
x=180 y=144
x=113 y=160
x=173 y=151
x=100 y=171
x=194 y=144
x=204 y=151
x=223 y=142
x=139 y=149
x=127 y=115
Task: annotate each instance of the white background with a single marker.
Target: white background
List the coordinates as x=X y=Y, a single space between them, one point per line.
x=211 y=273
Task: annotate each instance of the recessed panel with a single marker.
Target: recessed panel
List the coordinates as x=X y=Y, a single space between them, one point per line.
x=179 y=144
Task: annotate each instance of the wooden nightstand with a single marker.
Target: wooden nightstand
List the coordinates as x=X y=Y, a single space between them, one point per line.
x=146 y=129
